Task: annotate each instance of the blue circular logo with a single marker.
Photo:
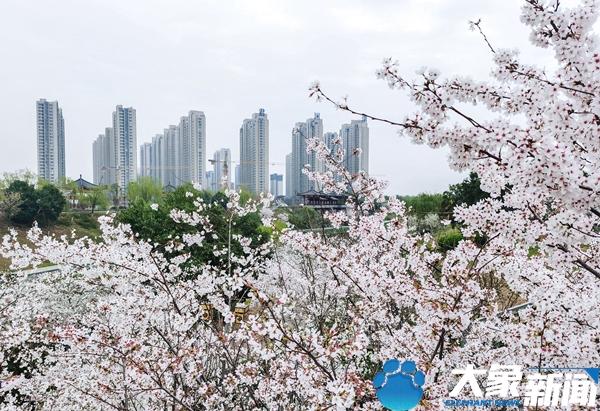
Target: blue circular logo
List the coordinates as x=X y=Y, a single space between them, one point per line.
x=399 y=386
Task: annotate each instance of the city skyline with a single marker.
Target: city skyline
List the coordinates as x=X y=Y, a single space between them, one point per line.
x=163 y=159
x=178 y=155
x=247 y=59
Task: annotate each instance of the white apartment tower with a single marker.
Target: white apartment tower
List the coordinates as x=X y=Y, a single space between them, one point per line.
x=192 y=147
x=254 y=153
x=300 y=158
x=157 y=154
x=331 y=141
x=172 y=165
x=210 y=182
x=125 y=135
x=336 y=149
x=50 y=140
x=355 y=140
x=98 y=160
x=104 y=158
x=222 y=169
x=145 y=162
x=289 y=189
x=179 y=154
x=237 y=176
x=276 y=185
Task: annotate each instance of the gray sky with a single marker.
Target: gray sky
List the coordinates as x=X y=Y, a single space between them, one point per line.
x=228 y=58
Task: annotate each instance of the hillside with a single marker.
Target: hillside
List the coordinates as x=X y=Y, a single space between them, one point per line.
x=83 y=223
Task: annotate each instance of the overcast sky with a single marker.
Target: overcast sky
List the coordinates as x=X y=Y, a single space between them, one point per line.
x=228 y=58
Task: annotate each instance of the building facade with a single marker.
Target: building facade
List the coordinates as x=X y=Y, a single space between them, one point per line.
x=192 y=147
x=237 y=176
x=350 y=147
x=172 y=167
x=298 y=181
x=289 y=192
x=145 y=162
x=254 y=153
x=104 y=158
x=50 y=140
x=276 y=188
x=115 y=153
x=125 y=138
x=179 y=154
x=355 y=141
x=222 y=168
x=210 y=181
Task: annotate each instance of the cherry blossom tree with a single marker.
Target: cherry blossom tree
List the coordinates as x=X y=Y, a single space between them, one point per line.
x=305 y=319
x=547 y=164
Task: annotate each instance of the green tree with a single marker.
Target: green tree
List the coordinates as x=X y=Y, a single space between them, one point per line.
x=157 y=226
x=424 y=204
x=21 y=175
x=302 y=218
x=467 y=192
x=50 y=204
x=27 y=210
x=448 y=239
x=145 y=189
x=97 y=197
x=43 y=205
x=9 y=203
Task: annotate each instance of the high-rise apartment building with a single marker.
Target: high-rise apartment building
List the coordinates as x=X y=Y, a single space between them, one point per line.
x=289 y=189
x=104 y=158
x=331 y=141
x=192 y=147
x=237 y=176
x=50 y=140
x=352 y=142
x=125 y=136
x=145 y=162
x=157 y=154
x=179 y=154
x=116 y=152
x=222 y=169
x=254 y=153
x=276 y=185
x=300 y=158
x=210 y=181
x=172 y=168
x=334 y=144
x=355 y=140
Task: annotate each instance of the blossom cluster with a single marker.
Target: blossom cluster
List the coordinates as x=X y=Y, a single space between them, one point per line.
x=304 y=319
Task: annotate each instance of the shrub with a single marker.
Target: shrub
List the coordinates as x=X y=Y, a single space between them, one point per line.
x=43 y=205
x=448 y=239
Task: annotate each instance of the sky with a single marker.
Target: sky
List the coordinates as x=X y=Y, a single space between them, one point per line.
x=230 y=58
